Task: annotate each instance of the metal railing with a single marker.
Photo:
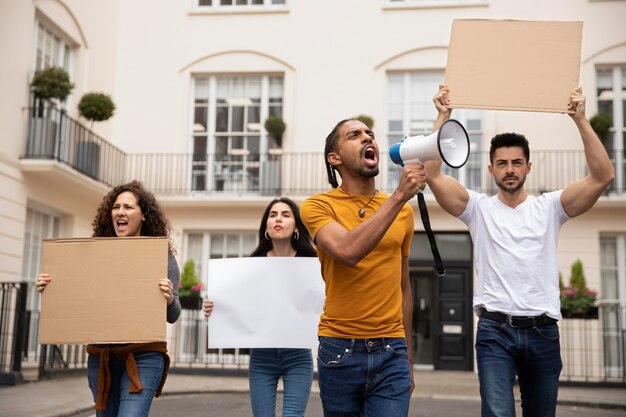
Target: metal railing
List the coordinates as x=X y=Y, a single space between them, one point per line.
x=53 y=135
x=13 y=330
x=593 y=350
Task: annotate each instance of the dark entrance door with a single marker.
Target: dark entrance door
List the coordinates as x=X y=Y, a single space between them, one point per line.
x=442 y=306
x=455 y=330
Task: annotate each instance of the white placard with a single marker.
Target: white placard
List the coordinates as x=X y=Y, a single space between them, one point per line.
x=271 y=302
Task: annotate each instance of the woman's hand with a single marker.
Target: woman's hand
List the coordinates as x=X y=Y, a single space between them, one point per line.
x=166 y=287
x=207 y=306
x=43 y=280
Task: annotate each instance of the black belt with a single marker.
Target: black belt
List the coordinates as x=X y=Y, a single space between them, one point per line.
x=517 y=321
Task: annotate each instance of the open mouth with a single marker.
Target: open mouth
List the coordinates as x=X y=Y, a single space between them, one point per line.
x=369 y=156
x=121 y=225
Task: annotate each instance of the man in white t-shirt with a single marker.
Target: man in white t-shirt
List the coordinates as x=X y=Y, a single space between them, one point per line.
x=515 y=238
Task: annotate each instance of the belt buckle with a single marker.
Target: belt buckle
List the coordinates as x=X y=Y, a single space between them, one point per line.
x=509 y=320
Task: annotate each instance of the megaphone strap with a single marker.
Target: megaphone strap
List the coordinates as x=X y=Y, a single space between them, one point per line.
x=421 y=203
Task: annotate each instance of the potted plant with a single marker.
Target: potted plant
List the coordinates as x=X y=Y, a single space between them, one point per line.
x=95 y=107
x=190 y=287
x=601 y=123
x=577 y=301
x=366 y=120
x=270 y=180
x=46 y=86
x=51 y=83
x=275 y=127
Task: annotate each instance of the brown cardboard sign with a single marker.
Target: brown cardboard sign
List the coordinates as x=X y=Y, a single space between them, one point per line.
x=513 y=64
x=103 y=290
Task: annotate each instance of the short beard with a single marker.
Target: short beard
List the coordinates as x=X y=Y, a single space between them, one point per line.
x=512 y=189
x=369 y=172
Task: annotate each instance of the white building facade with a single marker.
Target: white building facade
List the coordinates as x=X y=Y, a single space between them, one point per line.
x=194 y=81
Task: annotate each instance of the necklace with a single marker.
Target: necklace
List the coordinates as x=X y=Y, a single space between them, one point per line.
x=361 y=211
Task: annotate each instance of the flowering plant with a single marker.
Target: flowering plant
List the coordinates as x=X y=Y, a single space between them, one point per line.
x=576 y=302
x=189 y=284
x=576 y=299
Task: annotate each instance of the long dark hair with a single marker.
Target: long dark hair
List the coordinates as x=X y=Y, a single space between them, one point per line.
x=303 y=244
x=155 y=223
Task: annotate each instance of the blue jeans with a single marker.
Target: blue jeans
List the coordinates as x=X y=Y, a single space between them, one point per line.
x=266 y=367
x=364 y=377
x=122 y=403
x=534 y=354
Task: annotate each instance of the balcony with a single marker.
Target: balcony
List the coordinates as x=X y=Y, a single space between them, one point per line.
x=55 y=138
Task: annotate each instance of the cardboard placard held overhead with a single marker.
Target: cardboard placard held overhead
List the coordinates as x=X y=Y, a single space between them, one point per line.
x=513 y=64
x=103 y=290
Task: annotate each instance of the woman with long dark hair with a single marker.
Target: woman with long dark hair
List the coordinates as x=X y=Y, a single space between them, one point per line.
x=281 y=233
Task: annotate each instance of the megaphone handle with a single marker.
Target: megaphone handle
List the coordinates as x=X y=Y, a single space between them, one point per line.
x=421 y=203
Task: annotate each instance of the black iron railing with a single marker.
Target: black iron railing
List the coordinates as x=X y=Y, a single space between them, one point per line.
x=593 y=350
x=54 y=135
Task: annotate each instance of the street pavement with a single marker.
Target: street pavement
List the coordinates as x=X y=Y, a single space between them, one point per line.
x=64 y=397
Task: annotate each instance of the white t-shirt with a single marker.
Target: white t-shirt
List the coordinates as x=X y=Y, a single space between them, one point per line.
x=515 y=253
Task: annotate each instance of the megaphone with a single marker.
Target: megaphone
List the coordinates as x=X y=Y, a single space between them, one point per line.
x=450 y=143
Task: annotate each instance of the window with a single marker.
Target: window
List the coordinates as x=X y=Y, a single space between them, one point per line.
x=51 y=50
x=611 y=93
x=40 y=224
x=239 y=3
x=431 y=3
x=411 y=112
x=229 y=141
x=613 y=301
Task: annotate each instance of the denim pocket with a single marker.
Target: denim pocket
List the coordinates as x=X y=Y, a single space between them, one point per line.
x=331 y=355
x=486 y=325
x=549 y=332
x=398 y=347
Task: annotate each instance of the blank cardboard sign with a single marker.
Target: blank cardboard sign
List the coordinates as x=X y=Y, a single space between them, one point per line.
x=103 y=290
x=513 y=64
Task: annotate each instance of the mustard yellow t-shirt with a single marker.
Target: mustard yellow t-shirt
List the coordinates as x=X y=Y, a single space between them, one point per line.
x=362 y=301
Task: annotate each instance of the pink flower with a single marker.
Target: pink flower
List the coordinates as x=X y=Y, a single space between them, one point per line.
x=196 y=288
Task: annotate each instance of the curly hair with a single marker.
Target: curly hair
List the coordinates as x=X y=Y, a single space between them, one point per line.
x=303 y=245
x=155 y=223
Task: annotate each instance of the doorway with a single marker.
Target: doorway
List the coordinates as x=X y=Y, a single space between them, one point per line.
x=422 y=284
x=442 y=333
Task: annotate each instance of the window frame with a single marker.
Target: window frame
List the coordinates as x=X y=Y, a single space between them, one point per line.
x=235 y=168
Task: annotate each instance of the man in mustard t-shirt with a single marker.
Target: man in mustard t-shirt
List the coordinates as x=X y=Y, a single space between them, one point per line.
x=363 y=238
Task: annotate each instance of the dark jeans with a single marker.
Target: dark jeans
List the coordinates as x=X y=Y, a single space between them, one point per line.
x=533 y=354
x=364 y=377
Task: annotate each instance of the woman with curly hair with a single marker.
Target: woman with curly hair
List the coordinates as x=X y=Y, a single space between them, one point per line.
x=281 y=233
x=124 y=378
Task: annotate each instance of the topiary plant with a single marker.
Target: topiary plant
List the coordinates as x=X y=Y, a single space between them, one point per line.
x=366 y=120
x=577 y=279
x=189 y=285
x=96 y=107
x=275 y=126
x=51 y=83
x=601 y=123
